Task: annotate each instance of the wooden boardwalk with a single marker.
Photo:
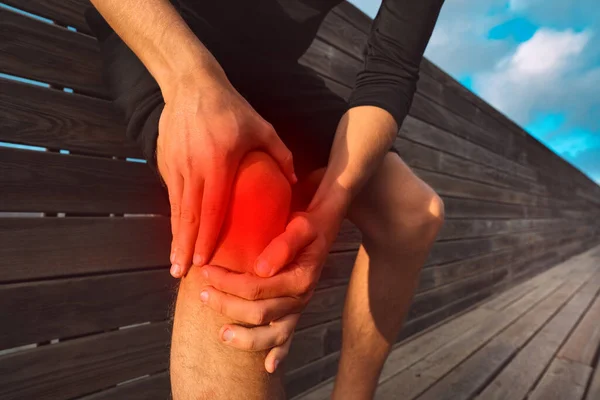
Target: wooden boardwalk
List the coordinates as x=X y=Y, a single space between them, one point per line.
x=538 y=340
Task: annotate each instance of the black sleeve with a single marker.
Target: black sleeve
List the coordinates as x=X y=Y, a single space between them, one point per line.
x=399 y=35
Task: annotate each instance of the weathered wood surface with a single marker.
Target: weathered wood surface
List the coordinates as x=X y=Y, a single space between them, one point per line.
x=42 y=181
x=72 y=61
x=84 y=365
x=59 y=120
x=62 y=12
x=513 y=210
x=517 y=333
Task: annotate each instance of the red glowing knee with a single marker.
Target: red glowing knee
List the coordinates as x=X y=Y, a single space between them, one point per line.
x=258 y=211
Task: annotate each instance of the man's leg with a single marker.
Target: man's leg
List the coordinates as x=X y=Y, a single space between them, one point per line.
x=202 y=367
x=399 y=217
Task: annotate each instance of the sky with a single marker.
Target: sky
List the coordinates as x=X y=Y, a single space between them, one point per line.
x=537 y=61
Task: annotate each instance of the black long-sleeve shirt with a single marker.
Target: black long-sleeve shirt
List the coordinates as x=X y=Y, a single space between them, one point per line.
x=286 y=28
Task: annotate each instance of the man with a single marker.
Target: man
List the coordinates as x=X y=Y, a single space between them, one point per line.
x=203 y=85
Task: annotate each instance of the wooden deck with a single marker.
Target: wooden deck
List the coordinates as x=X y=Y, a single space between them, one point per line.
x=538 y=340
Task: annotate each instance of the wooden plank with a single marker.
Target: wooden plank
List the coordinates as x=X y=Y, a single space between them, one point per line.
x=518 y=377
x=564 y=380
x=582 y=346
x=520 y=146
x=593 y=392
x=55 y=119
x=412 y=350
x=353 y=15
x=426 y=302
x=331 y=62
x=441 y=76
x=68 y=246
x=466 y=188
x=80 y=366
x=302 y=379
x=338 y=32
x=473 y=228
x=433 y=276
x=153 y=387
x=79 y=245
x=59 y=308
x=415 y=380
x=468 y=208
x=464 y=381
x=440 y=139
x=453 y=250
x=72 y=60
x=427 y=158
x=325 y=305
x=418 y=347
x=410 y=328
x=62 y=12
x=63 y=308
x=51 y=182
x=430 y=112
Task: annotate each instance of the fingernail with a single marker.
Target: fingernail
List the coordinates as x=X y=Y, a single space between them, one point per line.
x=176 y=270
x=204 y=296
x=228 y=335
x=198 y=260
x=275 y=364
x=294 y=177
x=263 y=268
x=172 y=258
x=205 y=273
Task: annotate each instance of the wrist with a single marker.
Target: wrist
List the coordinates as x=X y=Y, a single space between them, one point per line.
x=196 y=69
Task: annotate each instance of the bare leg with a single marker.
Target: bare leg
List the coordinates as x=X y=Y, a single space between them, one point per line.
x=202 y=367
x=399 y=217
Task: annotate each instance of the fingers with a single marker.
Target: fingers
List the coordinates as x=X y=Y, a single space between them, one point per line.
x=299 y=233
x=175 y=189
x=295 y=282
x=258 y=312
x=277 y=355
x=187 y=229
x=282 y=155
x=217 y=189
x=260 y=338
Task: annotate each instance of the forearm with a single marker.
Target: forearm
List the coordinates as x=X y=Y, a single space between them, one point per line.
x=158 y=35
x=363 y=137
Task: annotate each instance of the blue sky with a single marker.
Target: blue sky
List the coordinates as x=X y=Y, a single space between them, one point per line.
x=537 y=61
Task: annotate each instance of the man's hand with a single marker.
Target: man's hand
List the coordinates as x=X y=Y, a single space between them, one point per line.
x=205 y=130
x=289 y=269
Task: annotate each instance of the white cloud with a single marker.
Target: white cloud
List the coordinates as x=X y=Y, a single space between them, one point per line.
x=459 y=42
x=537 y=74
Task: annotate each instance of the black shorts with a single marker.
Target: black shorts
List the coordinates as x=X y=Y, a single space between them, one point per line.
x=290 y=96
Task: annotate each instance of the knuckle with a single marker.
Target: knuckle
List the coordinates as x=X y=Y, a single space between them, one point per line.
x=188 y=216
x=305 y=283
x=175 y=209
x=303 y=224
x=255 y=292
x=259 y=316
x=250 y=342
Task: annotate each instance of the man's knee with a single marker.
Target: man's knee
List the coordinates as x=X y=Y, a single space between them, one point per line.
x=257 y=213
x=399 y=208
x=202 y=367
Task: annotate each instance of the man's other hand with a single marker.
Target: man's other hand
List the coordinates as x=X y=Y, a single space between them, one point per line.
x=292 y=264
